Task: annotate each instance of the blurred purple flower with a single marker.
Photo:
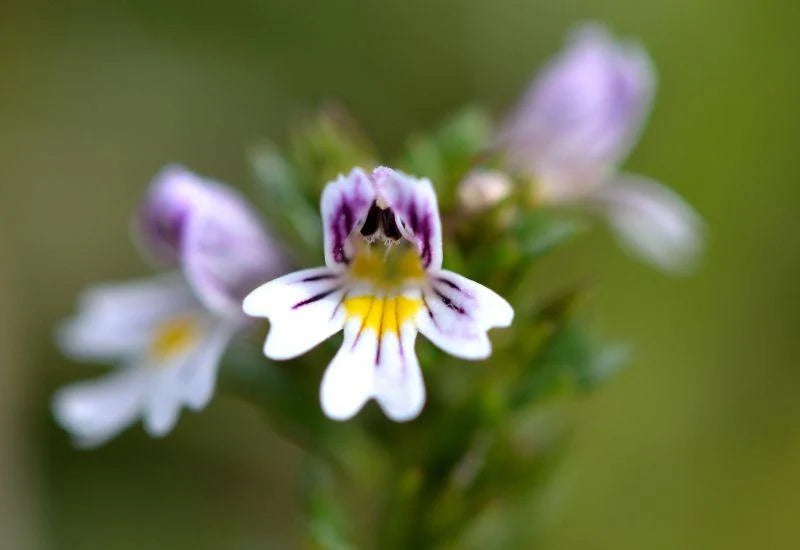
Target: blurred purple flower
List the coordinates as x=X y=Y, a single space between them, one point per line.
x=211 y=233
x=576 y=124
x=167 y=332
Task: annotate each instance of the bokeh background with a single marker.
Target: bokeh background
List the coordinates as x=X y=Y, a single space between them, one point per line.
x=695 y=445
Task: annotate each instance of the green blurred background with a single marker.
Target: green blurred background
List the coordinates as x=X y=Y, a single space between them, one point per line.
x=695 y=445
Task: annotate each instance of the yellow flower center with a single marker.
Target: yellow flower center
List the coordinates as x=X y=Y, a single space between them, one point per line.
x=382 y=314
x=173 y=337
x=384 y=267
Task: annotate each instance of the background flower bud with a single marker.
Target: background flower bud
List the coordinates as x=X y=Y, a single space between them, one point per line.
x=482 y=189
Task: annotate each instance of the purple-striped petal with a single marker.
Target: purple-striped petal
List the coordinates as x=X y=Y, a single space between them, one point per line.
x=347 y=201
x=583 y=113
x=372 y=364
x=457 y=312
x=344 y=205
x=413 y=202
x=304 y=308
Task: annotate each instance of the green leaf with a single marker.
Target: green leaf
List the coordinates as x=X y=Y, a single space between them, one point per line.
x=326 y=526
x=285 y=204
x=446 y=155
x=539 y=232
x=571 y=358
x=329 y=144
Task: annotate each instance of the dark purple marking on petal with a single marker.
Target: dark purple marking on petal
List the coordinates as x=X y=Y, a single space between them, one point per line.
x=350 y=199
x=316 y=297
x=424 y=234
x=341 y=301
x=449 y=283
x=418 y=222
x=380 y=334
x=449 y=302
x=400 y=341
x=342 y=226
x=430 y=311
x=463 y=291
x=322 y=277
x=413 y=220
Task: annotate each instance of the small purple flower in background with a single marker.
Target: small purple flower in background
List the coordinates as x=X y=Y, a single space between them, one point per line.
x=383 y=282
x=576 y=124
x=167 y=333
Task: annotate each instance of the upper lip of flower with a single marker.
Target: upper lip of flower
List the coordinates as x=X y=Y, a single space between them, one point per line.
x=210 y=232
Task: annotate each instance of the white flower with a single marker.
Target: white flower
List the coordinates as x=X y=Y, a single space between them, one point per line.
x=576 y=124
x=382 y=283
x=166 y=333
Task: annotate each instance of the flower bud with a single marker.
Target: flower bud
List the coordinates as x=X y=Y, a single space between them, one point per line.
x=482 y=189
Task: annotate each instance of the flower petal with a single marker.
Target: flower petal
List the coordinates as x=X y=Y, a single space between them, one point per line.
x=458 y=312
x=226 y=252
x=414 y=203
x=349 y=379
x=163 y=399
x=185 y=376
x=399 y=388
x=304 y=308
x=652 y=221
x=211 y=231
x=117 y=320
x=344 y=205
x=199 y=376
x=585 y=110
x=95 y=411
x=376 y=359
x=160 y=221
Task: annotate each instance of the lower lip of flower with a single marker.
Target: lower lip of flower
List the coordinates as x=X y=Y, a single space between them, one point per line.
x=382 y=314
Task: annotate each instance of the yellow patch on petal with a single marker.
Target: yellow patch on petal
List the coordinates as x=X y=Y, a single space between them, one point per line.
x=387 y=267
x=173 y=337
x=382 y=314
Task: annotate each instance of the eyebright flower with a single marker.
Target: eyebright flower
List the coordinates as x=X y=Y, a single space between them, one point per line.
x=167 y=333
x=576 y=124
x=383 y=282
